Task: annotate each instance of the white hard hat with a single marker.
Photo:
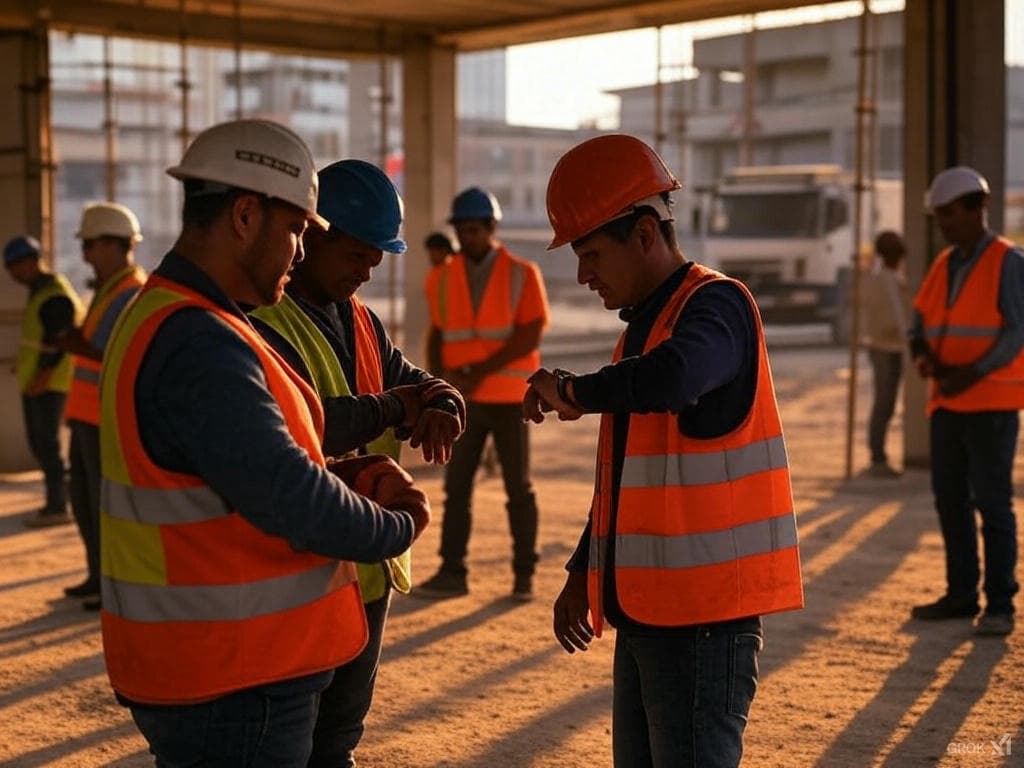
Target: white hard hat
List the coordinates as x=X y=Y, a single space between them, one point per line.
x=257 y=155
x=954 y=183
x=108 y=220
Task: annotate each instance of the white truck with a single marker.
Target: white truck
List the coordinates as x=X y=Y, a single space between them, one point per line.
x=787 y=232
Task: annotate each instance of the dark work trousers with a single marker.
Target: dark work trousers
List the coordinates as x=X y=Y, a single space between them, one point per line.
x=343 y=706
x=511 y=440
x=887 y=367
x=250 y=728
x=42 y=425
x=972 y=469
x=84 y=460
x=681 y=697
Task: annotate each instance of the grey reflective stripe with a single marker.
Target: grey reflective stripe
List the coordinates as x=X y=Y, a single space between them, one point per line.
x=87 y=374
x=224 y=602
x=963 y=331
x=698 y=549
x=161 y=506
x=702 y=468
x=518 y=278
x=468 y=334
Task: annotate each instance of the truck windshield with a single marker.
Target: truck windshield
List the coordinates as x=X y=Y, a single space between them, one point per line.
x=760 y=214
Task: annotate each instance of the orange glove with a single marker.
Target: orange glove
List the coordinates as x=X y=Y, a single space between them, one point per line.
x=380 y=479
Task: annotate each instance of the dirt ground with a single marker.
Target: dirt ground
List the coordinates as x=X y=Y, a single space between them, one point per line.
x=479 y=681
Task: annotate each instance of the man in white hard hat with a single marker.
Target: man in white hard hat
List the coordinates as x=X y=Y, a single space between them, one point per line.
x=229 y=591
x=109 y=233
x=967 y=337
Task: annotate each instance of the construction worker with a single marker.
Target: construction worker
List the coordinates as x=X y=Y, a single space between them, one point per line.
x=691 y=535
x=488 y=310
x=42 y=369
x=109 y=233
x=884 y=300
x=228 y=595
x=368 y=389
x=967 y=337
x=439 y=248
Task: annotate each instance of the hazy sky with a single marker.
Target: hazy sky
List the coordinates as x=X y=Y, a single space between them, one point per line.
x=561 y=83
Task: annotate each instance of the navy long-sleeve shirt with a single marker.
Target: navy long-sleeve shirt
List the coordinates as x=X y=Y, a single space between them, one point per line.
x=706 y=372
x=350 y=422
x=1010 y=340
x=204 y=409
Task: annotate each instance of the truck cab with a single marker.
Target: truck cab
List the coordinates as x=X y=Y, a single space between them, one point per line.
x=787 y=232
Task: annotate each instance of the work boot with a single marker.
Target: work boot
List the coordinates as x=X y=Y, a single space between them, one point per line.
x=45 y=518
x=442 y=585
x=522 y=590
x=945 y=608
x=994 y=625
x=882 y=470
x=87 y=588
x=92 y=605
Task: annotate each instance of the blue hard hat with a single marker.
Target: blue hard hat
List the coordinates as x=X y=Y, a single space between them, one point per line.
x=475 y=203
x=359 y=199
x=20 y=247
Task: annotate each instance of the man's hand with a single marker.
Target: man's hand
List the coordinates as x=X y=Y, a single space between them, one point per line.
x=570 y=623
x=955 y=379
x=925 y=366
x=543 y=391
x=436 y=431
x=379 y=478
x=409 y=394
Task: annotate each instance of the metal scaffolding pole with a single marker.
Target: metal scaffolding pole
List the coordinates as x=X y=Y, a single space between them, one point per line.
x=747 y=124
x=109 y=125
x=862 y=109
x=183 y=82
x=394 y=325
x=659 y=97
x=238 y=59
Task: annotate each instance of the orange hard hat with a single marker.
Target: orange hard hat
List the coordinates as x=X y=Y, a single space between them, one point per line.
x=601 y=179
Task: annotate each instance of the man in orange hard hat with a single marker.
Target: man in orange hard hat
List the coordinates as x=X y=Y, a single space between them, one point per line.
x=691 y=534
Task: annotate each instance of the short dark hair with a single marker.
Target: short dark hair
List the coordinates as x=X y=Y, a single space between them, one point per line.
x=202 y=208
x=620 y=229
x=889 y=245
x=439 y=240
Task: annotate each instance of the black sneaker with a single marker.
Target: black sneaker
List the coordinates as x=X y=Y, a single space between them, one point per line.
x=442 y=585
x=945 y=608
x=85 y=589
x=522 y=590
x=92 y=605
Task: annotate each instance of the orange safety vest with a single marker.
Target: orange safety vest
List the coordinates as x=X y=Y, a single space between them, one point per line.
x=469 y=337
x=961 y=333
x=83 y=403
x=705 y=529
x=198 y=602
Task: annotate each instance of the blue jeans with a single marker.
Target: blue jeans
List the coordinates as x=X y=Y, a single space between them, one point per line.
x=972 y=469
x=887 y=367
x=343 y=706
x=681 y=696
x=267 y=727
x=42 y=415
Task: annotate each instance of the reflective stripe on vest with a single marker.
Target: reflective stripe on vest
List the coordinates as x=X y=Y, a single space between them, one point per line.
x=288 y=318
x=964 y=332
x=83 y=403
x=704 y=528
x=30 y=345
x=470 y=335
x=198 y=602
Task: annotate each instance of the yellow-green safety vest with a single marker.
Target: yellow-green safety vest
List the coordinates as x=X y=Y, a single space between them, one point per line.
x=287 y=318
x=31 y=345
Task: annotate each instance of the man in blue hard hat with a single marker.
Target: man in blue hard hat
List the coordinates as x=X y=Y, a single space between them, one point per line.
x=372 y=395
x=488 y=310
x=42 y=369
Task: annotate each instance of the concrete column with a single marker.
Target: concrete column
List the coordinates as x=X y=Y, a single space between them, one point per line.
x=954 y=114
x=26 y=189
x=429 y=130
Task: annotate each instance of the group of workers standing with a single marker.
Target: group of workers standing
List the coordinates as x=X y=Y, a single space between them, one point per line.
x=249 y=413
